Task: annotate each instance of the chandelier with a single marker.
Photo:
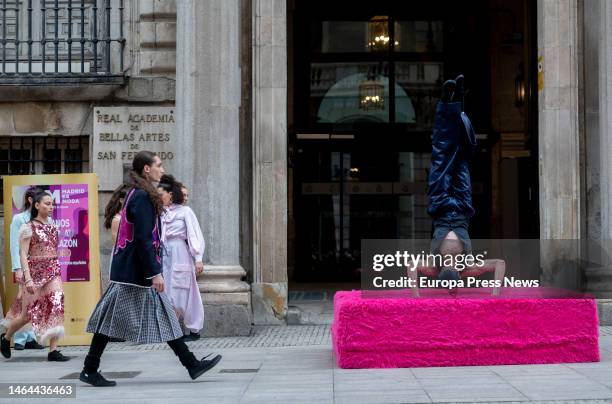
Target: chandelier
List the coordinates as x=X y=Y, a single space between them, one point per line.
x=378 y=33
x=371 y=95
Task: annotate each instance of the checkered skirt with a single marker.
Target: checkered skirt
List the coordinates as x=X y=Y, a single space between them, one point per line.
x=136 y=314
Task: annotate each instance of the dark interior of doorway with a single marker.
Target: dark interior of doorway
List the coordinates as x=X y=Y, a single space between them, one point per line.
x=323 y=237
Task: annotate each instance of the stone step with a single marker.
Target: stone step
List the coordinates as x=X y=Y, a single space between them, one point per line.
x=306 y=316
x=604 y=311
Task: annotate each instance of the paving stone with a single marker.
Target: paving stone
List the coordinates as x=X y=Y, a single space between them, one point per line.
x=296 y=365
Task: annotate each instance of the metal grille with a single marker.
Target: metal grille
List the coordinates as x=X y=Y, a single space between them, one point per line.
x=25 y=155
x=61 y=37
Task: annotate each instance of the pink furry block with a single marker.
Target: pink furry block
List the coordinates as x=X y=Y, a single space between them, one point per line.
x=468 y=330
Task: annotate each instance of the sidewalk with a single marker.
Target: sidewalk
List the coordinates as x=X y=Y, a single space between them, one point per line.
x=295 y=364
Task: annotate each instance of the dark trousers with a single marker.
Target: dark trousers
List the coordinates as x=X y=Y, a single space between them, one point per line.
x=99 y=342
x=447 y=222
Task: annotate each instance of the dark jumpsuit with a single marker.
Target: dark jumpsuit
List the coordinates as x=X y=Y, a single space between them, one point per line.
x=453 y=143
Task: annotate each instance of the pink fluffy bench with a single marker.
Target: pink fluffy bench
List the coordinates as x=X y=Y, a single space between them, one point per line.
x=472 y=329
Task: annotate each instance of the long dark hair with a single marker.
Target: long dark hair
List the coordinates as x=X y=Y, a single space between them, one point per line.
x=29 y=193
x=114 y=205
x=142 y=159
x=35 y=199
x=169 y=184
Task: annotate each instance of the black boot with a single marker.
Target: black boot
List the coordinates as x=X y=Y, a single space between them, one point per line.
x=96 y=379
x=33 y=345
x=5 y=347
x=198 y=368
x=90 y=374
x=459 y=94
x=56 y=356
x=193 y=336
x=448 y=89
x=195 y=367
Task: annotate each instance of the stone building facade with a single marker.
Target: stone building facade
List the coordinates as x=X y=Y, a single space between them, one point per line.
x=226 y=67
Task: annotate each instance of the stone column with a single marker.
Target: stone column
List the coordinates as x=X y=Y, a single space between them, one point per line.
x=270 y=162
x=207 y=104
x=598 y=109
x=559 y=53
x=598 y=128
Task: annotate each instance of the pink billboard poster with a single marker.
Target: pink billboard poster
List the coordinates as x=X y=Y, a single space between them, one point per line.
x=71 y=217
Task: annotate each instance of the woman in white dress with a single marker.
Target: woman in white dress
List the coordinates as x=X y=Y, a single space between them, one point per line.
x=182 y=262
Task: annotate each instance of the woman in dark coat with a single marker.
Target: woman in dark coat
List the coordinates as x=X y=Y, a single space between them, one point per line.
x=134 y=307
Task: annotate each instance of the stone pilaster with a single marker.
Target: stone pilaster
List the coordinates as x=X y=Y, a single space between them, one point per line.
x=559 y=52
x=207 y=107
x=270 y=162
x=155 y=38
x=598 y=137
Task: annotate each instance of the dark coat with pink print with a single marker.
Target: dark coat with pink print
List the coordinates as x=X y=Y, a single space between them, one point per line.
x=137 y=252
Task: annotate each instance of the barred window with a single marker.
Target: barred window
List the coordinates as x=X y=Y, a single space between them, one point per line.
x=19 y=160
x=61 y=36
x=25 y=155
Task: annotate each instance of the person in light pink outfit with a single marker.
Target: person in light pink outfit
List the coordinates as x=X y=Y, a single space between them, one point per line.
x=182 y=261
